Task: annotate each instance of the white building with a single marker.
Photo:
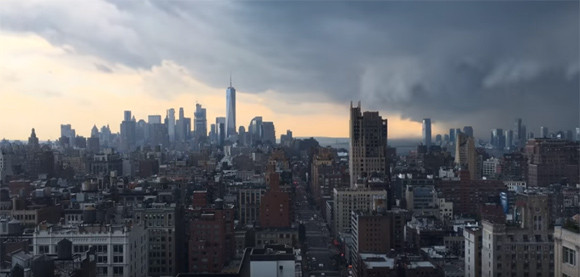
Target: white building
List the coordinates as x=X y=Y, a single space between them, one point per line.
x=347 y=200
x=445 y=209
x=274 y=261
x=566 y=252
x=472 y=261
x=121 y=250
x=522 y=248
x=491 y=167
x=517 y=186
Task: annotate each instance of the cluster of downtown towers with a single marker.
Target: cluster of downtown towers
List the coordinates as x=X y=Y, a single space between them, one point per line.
x=178 y=131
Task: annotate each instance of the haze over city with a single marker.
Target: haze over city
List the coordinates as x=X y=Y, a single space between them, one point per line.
x=296 y=63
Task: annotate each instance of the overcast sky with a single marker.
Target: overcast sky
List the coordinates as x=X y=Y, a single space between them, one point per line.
x=297 y=63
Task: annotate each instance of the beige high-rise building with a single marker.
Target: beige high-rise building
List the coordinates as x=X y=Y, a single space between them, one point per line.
x=359 y=199
x=323 y=158
x=368 y=144
x=567 y=250
x=465 y=155
x=524 y=247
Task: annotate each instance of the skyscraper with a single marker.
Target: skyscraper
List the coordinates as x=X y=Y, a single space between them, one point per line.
x=255 y=130
x=268 y=132
x=127 y=132
x=94 y=131
x=519 y=134
x=368 y=144
x=156 y=132
x=230 y=111
x=544 y=132
x=182 y=127
x=452 y=135
x=468 y=130
x=427 y=132
x=509 y=139
x=220 y=128
x=66 y=131
x=170 y=121
x=33 y=141
x=497 y=138
x=465 y=155
x=200 y=124
x=213 y=134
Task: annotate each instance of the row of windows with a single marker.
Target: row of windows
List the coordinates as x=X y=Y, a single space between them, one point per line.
x=263 y=236
x=568 y=256
x=520 y=248
x=24 y=217
x=104 y=270
x=42 y=249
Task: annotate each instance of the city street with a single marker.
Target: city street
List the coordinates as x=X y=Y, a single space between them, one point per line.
x=318 y=251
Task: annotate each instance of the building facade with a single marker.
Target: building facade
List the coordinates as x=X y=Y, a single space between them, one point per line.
x=465 y=155
x=523 y=247
x=552 y=161
x=211 y=239
x=160 y=220
x=368 y=144
x=347 y=200
x=200 y=124
x=472 y=251
x=567 y=250
x=121 y=250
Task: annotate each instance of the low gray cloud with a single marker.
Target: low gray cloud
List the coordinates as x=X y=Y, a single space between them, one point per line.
x=103 y=68
x=470 y=63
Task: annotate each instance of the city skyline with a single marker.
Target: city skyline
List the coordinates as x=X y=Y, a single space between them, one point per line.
x=476 y=64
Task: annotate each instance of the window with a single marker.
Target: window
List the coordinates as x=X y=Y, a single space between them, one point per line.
x=101 y=249
x=118 y=248
x=117 y=259
x=43 y=249
x=102 y=259
x=569 y=256
x=118 y=270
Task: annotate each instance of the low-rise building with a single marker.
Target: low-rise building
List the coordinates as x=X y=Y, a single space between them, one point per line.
x=121 y=250
x=567 y=250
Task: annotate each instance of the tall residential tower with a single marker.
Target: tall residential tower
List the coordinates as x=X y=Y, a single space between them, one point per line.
x=368 y=144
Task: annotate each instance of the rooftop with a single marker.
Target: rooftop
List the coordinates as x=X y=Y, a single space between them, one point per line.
x=377 y=260
x=571 y=226
x=420 y=264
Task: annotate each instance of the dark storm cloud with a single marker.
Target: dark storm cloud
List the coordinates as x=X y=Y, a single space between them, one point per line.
x=471 y=63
